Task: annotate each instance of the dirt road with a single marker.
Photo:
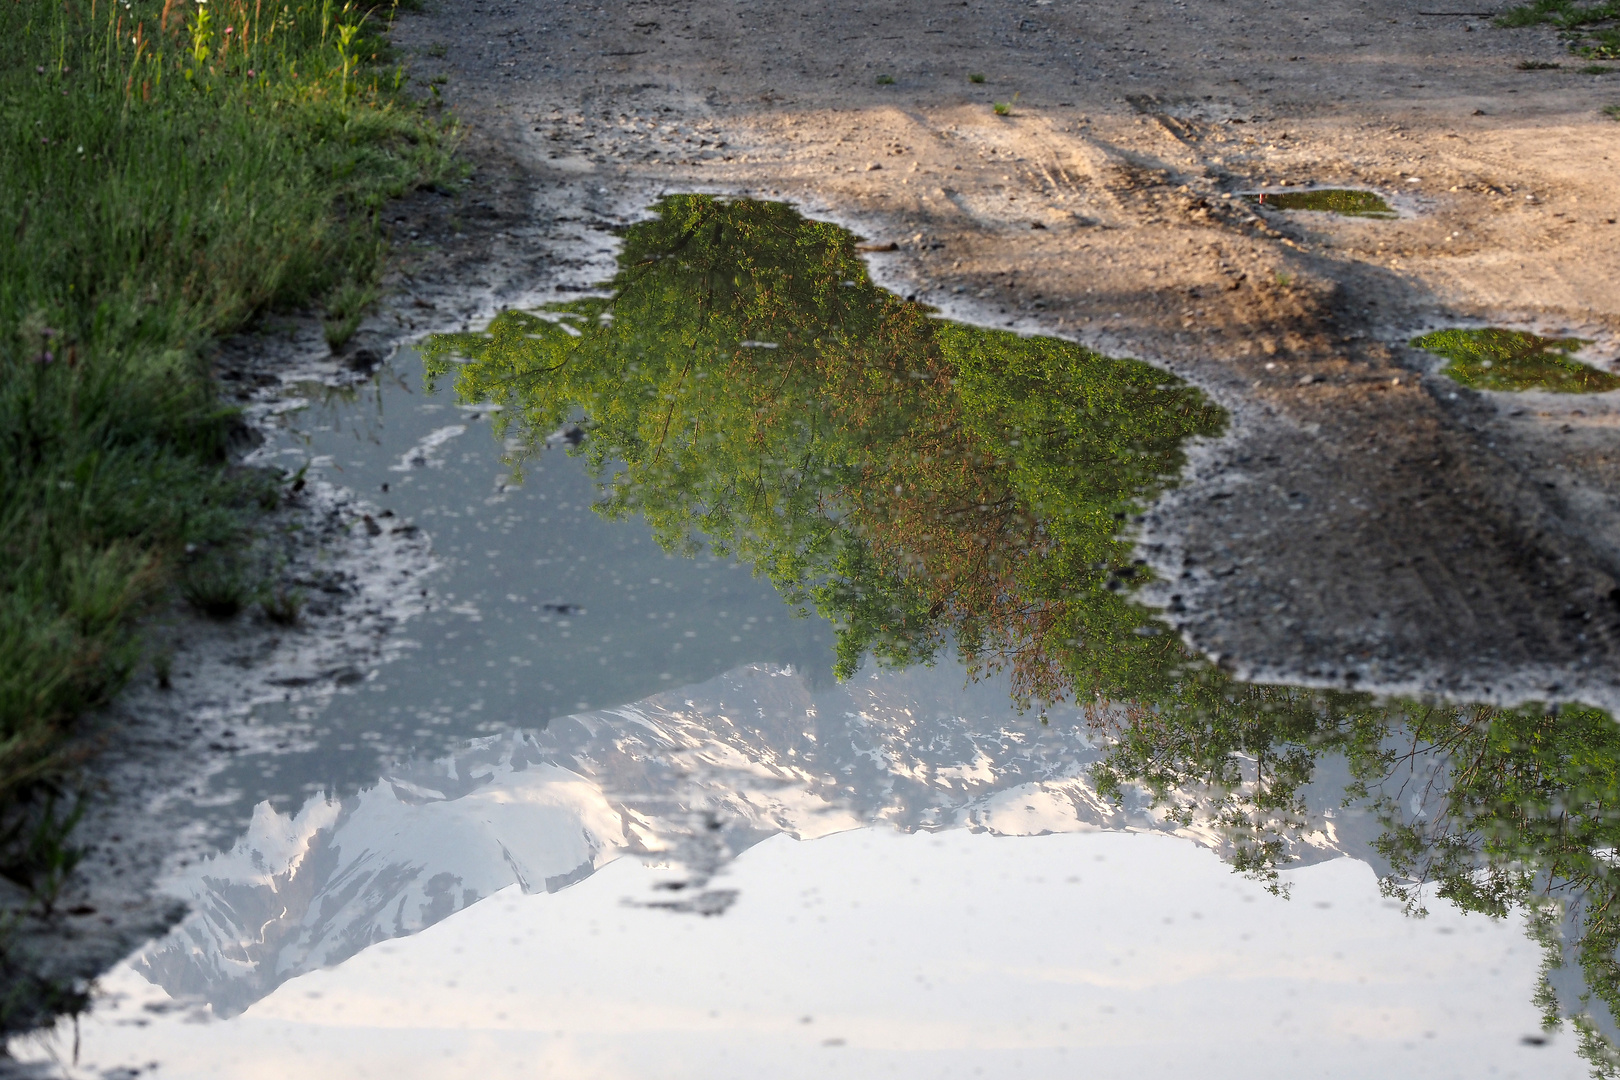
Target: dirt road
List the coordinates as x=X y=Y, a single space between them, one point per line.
x=1366 y=522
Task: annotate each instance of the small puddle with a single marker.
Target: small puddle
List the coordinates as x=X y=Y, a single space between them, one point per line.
x=1515 y=360
x=1346 y=202
x=747 y=552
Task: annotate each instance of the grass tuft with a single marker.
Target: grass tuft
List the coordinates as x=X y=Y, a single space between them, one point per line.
x=345 y=307
x=219 y=585
x=34 y=835
x=283 y=606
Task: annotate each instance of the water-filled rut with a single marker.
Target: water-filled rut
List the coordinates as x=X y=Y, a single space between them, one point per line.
x=782 y=705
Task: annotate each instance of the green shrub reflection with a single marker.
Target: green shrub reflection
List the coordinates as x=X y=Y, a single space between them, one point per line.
x=1515 y=360
x=1346 y=202
x=918 y=482
x=925 y=486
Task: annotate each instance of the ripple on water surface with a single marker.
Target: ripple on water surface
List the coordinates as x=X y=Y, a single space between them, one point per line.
x=1020 y=791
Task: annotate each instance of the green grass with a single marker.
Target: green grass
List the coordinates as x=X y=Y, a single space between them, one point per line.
x=1513 y=360
x=885 y=80
x=1612 y=111
x=1591 y=29
x=170 y=171
x=976 y=77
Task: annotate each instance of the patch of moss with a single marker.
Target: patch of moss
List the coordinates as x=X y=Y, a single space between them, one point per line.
x=1514 y=360
x=1347 y=202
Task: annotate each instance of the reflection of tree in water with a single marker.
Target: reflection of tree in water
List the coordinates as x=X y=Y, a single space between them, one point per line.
x=1494 y=810
x=927 y=485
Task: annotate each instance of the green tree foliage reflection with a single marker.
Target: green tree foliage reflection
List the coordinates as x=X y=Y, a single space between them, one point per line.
x=742 y=384
x=918 y=482
x=1494 y=810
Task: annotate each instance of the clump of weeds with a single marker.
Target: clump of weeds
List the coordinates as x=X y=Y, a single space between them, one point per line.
x=1612 y=112
x=163 y=668
x=1590 y=29
x=1537 y=65
x=976 y=77
x=35 y=848
x=885 y=80
x=1596 y=69
x=345 y=307
x=219 y=584
x=283 y=606
x=37 y=820
x=1005 y=108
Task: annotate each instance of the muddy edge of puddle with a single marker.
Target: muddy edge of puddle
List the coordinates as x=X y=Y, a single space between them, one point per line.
x=1365 y=522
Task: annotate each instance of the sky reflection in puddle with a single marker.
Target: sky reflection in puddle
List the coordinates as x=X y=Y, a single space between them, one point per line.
x=947 y=501
x=882 y=953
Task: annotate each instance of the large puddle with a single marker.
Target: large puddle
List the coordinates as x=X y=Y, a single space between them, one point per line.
x=781 y=710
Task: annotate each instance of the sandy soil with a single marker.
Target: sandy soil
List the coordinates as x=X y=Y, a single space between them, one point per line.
x=1366 y=522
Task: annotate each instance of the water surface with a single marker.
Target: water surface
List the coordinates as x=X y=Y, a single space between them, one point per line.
x=1346 y=202
x=1513 y=360
x=782 y=710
